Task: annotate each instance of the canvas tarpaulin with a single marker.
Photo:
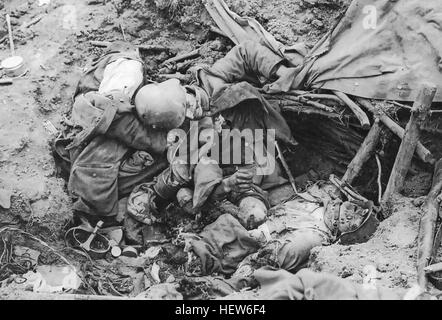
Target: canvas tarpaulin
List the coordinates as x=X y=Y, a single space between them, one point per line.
x=388 y=59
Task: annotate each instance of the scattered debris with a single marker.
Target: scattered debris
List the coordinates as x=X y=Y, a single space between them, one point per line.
x=7 y=81
x=164 y=291
x=152 y=252
x=155 y=272
x=121 y=270
x=5 y=198
x=43 y=2
x=50 y=128
x=51 y=279
x=27 y=253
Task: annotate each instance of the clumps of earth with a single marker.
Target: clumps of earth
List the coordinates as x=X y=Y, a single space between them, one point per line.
x=39 y=202
x=390 y=254
x=293 y=21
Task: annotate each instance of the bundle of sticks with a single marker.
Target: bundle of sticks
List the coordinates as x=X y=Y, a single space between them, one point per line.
x=333 y=104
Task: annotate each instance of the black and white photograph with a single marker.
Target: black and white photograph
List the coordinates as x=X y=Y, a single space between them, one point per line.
x=208 y=157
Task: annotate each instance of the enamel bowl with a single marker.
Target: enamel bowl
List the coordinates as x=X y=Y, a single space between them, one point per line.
x=14 y=66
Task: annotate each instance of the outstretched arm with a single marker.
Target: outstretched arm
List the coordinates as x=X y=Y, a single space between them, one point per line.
x=128 y=129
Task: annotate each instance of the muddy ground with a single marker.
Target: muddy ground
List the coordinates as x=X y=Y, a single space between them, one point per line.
x=57 y=48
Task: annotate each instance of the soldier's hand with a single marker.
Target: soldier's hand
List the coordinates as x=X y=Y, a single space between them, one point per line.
x=240 y=182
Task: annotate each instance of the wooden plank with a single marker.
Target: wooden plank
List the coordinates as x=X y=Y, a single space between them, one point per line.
x=427 y=226
x=364 y=153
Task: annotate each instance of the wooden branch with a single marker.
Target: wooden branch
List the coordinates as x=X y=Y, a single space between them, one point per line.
x=300 y=99
x=308 y=110
x=106 y=44
x=359 y=113
x=321 y=96
x=419 y=113
x=6 y=81
x=364 y=153
x=179 y=76
x=32 y=22
x=101 y=44
x=427 y=226
x=153 y=48
x=422 y=152
x=182 y=57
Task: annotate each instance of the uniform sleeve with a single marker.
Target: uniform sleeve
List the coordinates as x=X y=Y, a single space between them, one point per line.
x=128 y=129
x=249 y=61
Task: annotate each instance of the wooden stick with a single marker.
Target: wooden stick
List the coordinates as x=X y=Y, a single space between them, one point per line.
x=32 y=22
x=106 y=44
x=101 y=44
x=308 y=110
x=6 y=81
x=359 y=113
x=286 y=168
x=364 y=153
x=427 y=226
x=185 y=56
x=303 y=100
x=11 y=40
x=321 y=96
x=419 y=113
x=422 y=152
x=122 y=32
x=153 y=48
x=92 y=2
x=179 y=76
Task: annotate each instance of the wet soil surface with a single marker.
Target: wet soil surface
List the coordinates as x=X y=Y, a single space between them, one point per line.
x=57 y=47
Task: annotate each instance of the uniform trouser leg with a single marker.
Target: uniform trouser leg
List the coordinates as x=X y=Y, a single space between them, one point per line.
x=293 y=253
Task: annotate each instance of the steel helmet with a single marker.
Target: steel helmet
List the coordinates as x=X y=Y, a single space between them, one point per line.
x=162 y=105
x=350 y=222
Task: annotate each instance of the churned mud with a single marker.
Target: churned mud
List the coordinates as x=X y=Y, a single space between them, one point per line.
x=58 y=46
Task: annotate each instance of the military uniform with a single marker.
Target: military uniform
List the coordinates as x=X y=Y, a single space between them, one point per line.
x=104 y=155
x=233 y=88
x=107 y=148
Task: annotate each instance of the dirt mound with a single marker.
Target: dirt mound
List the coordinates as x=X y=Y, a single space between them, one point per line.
x=391 y=251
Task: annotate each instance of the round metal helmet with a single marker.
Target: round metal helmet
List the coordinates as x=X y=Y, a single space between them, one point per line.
x=349 y=222
x=364 y=229
x=162 y=105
